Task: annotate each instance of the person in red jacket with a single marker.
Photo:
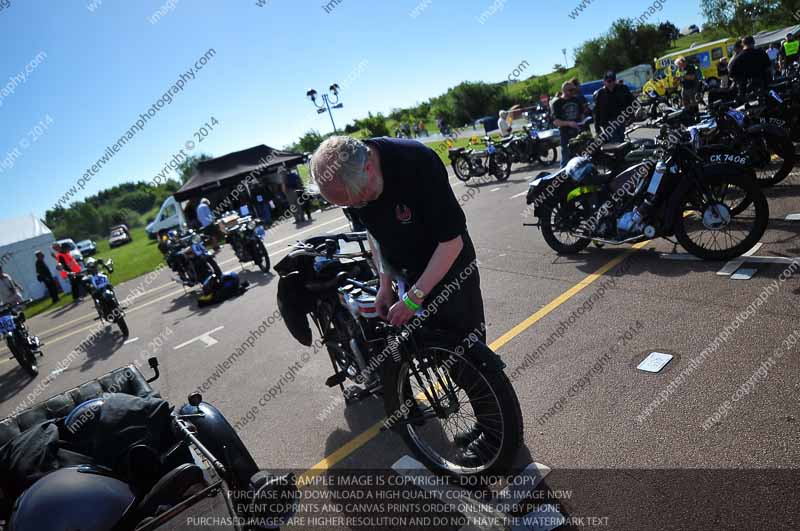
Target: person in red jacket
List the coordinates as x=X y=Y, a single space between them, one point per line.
x=68 y=265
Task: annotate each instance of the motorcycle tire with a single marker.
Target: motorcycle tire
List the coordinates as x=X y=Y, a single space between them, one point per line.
x=548 y=157
x=123 y=326
x=753 y=196
x=263 y=262
x=549 y=232
x=491 y=386
x=784 y=150
x=462 y=168
x=25 y=357
x=502 y=165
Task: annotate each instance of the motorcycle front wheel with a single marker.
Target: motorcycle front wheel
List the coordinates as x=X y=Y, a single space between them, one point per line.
x=433 y=399
x=123 y=326
x=263 y=260
x=722 y=228
x=25 y=357
x=462 y=169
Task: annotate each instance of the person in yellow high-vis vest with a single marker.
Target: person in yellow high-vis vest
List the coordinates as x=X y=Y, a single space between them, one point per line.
x=789 y=51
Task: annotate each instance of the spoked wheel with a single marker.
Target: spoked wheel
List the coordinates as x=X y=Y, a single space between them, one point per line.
x=721 y=229
x=548 y=156
x=462 y=169
x=560 y=223
x=774 y=161
x=458 y=419
x=502 y=165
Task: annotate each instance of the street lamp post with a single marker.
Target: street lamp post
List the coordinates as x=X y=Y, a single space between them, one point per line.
x=331 y=102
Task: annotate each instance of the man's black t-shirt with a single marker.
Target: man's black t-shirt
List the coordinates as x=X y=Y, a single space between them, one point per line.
x=417 y=209
x=568 y=110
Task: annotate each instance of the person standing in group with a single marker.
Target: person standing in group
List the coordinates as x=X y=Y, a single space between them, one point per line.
x=789 y=51
x=68 y=265
x=750 y=69
x=504 y=123
x=773 y=53
x=610 y=101
x=10 y=291
x=581 y=98
x=567 y=112
x=722 y=72
x=689 y=76
x=45 y=276
x=207 y=225
x=263 y=197
x=291 y=183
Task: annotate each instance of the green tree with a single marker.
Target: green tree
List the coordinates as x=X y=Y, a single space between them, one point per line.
x=187 y=168
x=373 y=125
x=310 y=141
x=140 y=201
x=743 y=17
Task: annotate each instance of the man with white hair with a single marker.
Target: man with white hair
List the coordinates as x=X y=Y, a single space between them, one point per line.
x=504 y=123
x=399 y=190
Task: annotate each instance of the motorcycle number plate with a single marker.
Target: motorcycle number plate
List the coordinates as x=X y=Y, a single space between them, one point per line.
x=491 y=149
x=198 y=248
x=7 y=324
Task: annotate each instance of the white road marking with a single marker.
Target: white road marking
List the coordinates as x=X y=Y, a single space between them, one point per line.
x=494 y=189
x=744 y=273
x=479 y=511
x=205 y=338
x=737 y=262
x=518 y=195
x=680 y=256
x=131 y=340
x=654 y=362
x=792 y=217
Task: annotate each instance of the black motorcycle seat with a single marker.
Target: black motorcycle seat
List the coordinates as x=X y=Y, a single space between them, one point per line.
x=175 y=486
x=614 y=148
x=780 y=85
x=123 y=380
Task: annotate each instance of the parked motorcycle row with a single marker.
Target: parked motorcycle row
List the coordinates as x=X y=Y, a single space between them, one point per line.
x=701 y=180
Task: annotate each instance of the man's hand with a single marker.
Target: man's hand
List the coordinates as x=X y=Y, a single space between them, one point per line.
x=573 y=124
x=400 y=314
x=384 y=300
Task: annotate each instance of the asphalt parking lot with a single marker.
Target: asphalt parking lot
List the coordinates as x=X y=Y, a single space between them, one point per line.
x=690 y=447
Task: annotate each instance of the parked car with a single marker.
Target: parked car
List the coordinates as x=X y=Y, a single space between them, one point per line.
x=87 y=247
x=690 y=30
x=72 y=247
x=119 y=236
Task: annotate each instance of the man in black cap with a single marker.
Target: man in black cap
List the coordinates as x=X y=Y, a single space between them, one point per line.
x=609 y=103
x=750 y=69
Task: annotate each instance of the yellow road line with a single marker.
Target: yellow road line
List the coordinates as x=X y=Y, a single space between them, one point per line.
x=364 y=437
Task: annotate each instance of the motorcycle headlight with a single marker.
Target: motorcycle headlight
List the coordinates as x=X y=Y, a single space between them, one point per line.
x=251 y=225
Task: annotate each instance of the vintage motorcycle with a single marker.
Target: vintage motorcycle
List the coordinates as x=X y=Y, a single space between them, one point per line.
x=468 y=163
x=433 y=383
x=709 y=202
x=102 y=292
x=192 y=462
x=533 y=146
x=247 y=240
x=186 y=255
x=22 y=345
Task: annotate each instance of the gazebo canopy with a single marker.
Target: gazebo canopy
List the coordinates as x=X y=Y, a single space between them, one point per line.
x=230 y=169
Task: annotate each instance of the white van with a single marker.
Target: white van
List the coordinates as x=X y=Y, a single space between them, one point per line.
x=170 y=216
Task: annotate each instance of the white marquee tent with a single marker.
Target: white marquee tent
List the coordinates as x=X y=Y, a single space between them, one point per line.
x=20 y=238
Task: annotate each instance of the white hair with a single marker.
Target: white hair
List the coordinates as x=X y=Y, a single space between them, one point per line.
x=341 y=159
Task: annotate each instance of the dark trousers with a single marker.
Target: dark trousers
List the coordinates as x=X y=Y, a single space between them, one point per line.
x=460 y=306
x=75 y=284
x=612 y=133
x=52 y=288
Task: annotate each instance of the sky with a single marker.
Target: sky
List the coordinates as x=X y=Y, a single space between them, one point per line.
x=77 y=75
